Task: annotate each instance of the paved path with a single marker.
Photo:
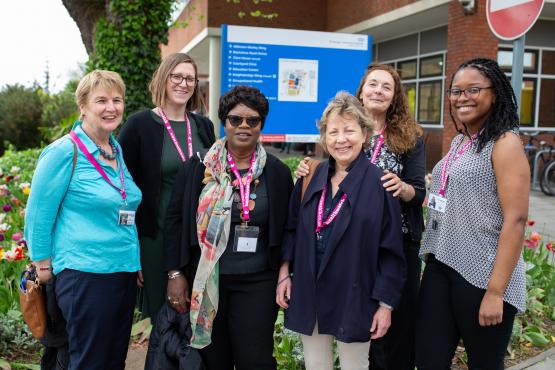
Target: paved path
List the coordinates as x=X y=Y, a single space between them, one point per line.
x=542 y=210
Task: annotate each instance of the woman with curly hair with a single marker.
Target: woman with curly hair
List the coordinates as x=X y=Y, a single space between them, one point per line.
x=474 y=282
x=396 y=147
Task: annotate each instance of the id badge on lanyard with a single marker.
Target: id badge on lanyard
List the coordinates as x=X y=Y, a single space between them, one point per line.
x=246 y=238
x=438 y=202
x=126 y=215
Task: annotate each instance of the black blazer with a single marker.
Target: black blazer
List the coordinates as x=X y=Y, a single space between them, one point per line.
x=181 y=246
x=141 y=139
x=413 y=173
x=363 y=263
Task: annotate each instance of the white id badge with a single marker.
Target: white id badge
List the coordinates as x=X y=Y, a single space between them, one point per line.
x=126 y=217
x=246 y=238
x=437 y=203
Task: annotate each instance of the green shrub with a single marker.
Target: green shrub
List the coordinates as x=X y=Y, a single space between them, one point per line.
x=20 y=115
x=15 y=337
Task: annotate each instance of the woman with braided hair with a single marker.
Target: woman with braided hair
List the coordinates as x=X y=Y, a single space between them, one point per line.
x=474 y=281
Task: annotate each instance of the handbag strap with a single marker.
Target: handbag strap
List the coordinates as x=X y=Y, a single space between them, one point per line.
x=312 y=166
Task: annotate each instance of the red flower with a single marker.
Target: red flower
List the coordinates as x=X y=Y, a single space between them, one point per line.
x=8 y=178
x=531 y=222
x=550 y=247
x=19 y=254
x=531 y=244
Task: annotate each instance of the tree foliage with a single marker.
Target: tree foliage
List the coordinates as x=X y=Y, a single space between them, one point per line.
x=127 y=40
x=20 y=115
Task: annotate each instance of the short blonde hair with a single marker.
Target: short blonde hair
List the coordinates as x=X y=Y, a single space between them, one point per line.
x=98 y=78
x=157 y=86
x=344 y=104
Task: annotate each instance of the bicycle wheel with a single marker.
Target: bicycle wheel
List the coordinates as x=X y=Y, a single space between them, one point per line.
x=547 y=179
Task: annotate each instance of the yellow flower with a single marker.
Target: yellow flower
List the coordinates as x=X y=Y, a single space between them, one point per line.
x=1 y=254
x=26 y=191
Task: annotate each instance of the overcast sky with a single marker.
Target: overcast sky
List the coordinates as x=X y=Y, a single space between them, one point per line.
x=34 y=34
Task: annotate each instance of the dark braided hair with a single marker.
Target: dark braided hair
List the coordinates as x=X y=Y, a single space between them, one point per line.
x=503 y=116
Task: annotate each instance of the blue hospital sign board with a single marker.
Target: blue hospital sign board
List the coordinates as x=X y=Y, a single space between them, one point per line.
x=298 y=71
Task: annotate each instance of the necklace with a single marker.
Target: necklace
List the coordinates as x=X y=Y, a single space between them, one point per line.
x=105 y=154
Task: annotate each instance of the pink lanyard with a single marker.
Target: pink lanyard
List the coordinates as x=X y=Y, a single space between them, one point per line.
x=174 y=138
x=444 y=169
x=100 y=170
x=320 y=214
x=244 y=189
x=378 y=146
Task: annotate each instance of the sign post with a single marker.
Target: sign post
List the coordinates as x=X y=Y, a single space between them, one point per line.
x=298 y=71
x=510 y=20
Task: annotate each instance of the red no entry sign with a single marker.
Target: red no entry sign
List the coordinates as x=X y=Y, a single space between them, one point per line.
x=510 y=19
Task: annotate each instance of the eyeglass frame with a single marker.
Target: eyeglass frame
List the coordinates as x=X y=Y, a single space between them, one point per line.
x=187 y=79
x=247 y=119
x=466 y=92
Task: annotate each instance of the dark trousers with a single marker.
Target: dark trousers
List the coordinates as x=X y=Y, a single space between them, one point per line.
x=242 y=336
x=98 y=309
x=395 y=351
x=448 y=311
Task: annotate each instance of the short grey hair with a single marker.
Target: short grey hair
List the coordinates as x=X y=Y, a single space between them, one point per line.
x=344 y=104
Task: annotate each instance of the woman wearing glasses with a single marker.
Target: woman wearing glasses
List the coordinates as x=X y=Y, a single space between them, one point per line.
x=224 y=227
x=474 y=282
x=155 y=142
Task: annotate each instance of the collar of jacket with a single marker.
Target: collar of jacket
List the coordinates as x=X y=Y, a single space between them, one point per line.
x=350 y=183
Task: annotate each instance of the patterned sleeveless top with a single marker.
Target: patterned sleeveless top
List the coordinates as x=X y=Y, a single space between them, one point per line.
x=467 y=234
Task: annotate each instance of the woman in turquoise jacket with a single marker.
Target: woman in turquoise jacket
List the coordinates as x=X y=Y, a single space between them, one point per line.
x=79 y=225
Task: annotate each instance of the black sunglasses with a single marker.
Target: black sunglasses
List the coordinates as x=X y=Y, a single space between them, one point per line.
x=252 y=121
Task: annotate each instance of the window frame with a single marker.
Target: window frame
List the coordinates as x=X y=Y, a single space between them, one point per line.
x=537 y=76
x=417 y=80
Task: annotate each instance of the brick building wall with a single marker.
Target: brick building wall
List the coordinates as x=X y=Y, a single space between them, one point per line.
x=344 y=13
x=302 y=15
x=189 y=24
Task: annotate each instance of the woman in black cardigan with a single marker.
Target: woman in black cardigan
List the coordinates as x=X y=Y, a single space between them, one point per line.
x=155 y=142
x=223 y=234
x=396 y=147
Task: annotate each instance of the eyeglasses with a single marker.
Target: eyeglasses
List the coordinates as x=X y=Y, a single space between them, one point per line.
x=178 y=79
x=470 y=92
x=252 y=121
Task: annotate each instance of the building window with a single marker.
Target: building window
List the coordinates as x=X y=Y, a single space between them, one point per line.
x=530 y=63
x=410 y=93
x=422 y=79
x=527 y=105
x=407 y=69
x=538 y=86
x=547 y=102
x=429 y=102
x=432 y=66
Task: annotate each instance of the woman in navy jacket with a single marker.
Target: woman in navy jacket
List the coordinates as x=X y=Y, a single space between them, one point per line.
x=346 y=276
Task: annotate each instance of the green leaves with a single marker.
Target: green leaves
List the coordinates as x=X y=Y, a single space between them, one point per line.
x=128 y=41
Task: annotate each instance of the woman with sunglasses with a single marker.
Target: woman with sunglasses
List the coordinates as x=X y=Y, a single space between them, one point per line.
x=155 y=143
x=474 y=281
x=224 y=230
x=396 y=147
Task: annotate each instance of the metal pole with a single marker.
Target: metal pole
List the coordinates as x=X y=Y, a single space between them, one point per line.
x=214 y=70
x=518 y=67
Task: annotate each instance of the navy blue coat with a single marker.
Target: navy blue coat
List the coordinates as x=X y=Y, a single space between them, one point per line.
x=363 y=263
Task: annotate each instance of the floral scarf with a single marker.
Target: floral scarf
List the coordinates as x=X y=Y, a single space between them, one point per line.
x=213 y=225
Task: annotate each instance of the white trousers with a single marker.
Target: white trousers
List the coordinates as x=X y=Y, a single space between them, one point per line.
x=318 y=352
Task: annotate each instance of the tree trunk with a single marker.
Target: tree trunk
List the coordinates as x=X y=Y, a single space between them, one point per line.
x=85 y=13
